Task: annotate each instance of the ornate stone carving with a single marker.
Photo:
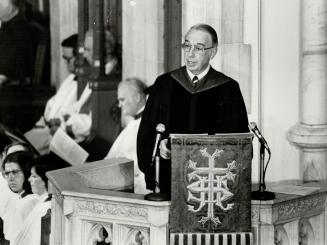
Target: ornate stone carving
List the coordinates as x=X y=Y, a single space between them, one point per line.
x=57 y=195
x=299 y=207
x=100 y=233
x=254 y=214
x=306 y=234
x=280 y=236
x=137 y=236
x=109 y=209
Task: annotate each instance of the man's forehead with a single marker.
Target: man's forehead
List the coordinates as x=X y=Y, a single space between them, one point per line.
x=122 y=90
x=198 y=36
x=4 y=3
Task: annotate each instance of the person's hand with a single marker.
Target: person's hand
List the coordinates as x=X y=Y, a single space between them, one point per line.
x=3 y=79
x=66 y=117
x=54 y=124
x=69 y=131
x=165 y=153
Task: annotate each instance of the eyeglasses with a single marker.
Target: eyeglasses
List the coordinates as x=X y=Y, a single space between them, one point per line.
x=197 y=48
x=14 y=173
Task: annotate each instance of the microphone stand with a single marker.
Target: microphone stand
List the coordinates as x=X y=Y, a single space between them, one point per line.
x=156 y=195
x=262 y=194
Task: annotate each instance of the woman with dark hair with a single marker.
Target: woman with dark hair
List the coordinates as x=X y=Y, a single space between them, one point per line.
x=16 y=200
x=30 y=232
x=41 y=165
x=17 y=170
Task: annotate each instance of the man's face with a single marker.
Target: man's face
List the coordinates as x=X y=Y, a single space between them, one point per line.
x=88 y=49
x=68 y=56
x=14 y=176
x=4 y=4
x=197 y=62
x=127 y=99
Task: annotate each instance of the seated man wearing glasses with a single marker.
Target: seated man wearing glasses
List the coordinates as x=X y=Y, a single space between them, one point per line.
x=63 y=109
x=193 y=99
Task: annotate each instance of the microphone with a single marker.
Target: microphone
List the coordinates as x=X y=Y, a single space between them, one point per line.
x=160 y=129
x=261 y=194
x=253 y=127
x=157 y=195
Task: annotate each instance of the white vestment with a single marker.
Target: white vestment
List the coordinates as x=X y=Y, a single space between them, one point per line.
x=30 y=232
x=125 y=146
x=64 y=102
x=14 y=209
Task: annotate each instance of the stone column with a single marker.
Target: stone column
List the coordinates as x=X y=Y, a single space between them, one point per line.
x=63 y=23
x=143 y=39
x=310 y=133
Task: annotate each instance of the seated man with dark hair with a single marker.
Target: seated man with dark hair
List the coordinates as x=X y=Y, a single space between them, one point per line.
x=63 y=109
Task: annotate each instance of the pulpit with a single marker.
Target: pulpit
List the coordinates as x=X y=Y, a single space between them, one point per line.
x=94 y=204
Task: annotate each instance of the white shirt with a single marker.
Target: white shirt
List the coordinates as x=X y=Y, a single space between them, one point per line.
x=63 y=99
x=200 y=76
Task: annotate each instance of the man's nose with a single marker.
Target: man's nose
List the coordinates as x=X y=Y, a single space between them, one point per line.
x=191 y=52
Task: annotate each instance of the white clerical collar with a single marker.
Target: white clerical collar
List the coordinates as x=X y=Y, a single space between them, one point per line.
x=140 y=110
x=139 y=113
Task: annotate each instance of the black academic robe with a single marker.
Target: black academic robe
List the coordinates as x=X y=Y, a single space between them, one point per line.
x=16 y=49
x=212 y=105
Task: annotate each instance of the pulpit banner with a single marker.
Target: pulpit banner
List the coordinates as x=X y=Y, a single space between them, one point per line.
x=211 y=183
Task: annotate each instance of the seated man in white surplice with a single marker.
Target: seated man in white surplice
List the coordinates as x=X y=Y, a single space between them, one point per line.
x=131 y=99
x=63 y=109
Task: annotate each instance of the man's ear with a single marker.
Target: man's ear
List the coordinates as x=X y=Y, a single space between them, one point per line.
x=137 y=97
x=213 y=52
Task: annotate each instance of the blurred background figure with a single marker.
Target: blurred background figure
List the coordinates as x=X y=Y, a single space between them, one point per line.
x=16 y=44
x=112 y=64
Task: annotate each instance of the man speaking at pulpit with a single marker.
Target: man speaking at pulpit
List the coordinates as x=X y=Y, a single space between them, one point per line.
x=194 y=99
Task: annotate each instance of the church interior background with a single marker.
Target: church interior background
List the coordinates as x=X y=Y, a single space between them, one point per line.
x=276 y=50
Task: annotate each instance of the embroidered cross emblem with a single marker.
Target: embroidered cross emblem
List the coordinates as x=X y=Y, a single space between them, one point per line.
x=210 y=182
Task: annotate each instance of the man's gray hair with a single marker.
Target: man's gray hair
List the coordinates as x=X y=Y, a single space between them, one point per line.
x=207 y=28
x=137 y=84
